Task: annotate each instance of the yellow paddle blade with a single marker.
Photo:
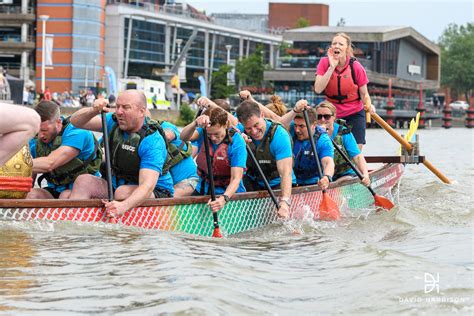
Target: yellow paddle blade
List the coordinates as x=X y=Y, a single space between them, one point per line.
x=411 y=130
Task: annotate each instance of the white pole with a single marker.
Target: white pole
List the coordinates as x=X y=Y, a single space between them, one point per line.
x=94 y=76
x=179 y=41
x=44 y=18
x=228 y=47
x=86 y=78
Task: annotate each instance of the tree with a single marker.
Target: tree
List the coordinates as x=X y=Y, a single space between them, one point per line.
x=250 y=70
x=457 y=54
x=302 y=22
x=341 y=22
x=219 y=87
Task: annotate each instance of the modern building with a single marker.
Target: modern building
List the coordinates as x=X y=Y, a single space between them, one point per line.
x=249 y=22
x=17 y=22
x=74 y=31
x=397 y=53
x=145 y=40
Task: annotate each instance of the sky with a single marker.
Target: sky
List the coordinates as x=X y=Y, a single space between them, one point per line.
x=428 y=17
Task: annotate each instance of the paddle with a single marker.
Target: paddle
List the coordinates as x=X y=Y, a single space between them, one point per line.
x=260 y=171
x=328 y=209
x=108 y=167
x=379 y=200
x=408 y=146
x=217 y=232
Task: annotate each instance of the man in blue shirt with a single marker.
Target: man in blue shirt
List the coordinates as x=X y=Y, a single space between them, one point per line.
x=138 y=154
x=271 y=144
x=304 y=167
x=61 y=153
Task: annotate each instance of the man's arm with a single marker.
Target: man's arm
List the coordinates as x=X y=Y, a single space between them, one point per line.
x=147 y=179
x=236 y=174
x=88 y=118
x=300 y=106
x=361 y=164
x=328 y=169
x=55 y=159
x=285 y=169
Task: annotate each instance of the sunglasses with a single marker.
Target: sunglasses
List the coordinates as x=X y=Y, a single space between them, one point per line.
x=326 y=116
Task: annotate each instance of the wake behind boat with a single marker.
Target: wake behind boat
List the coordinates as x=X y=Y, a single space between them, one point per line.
x=192 y=215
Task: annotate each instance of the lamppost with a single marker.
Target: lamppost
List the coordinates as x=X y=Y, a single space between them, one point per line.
x=179 y=41
x=43 y=18
x=228 y=47
x=303 y=73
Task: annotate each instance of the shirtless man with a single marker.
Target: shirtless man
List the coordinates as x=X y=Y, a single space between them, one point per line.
x=17 y=126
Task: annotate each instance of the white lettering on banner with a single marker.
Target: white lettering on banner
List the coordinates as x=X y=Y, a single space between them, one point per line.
x=379 y=182
x=128 y=147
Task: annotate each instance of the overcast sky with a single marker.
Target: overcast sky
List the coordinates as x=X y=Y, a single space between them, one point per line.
x=429 y=18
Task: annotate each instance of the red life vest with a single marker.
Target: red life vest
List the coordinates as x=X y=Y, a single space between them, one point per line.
x=220 y=163
x=342 y=86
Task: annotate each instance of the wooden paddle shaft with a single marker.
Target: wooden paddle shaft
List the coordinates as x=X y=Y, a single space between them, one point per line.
x=436 y=172
x=391 y=131
x=408 y=146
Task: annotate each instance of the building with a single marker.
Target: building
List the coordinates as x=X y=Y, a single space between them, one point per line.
x=249 y=22
x=284 y=16
x=75 y=32
x=145 y=40
x=397 y=53
x=17 y=22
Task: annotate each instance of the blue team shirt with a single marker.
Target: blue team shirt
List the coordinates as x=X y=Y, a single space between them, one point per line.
x=237 y=153
x=74 y=137
x=186 y=168
x=280 y=148
x=324 y=148
x=152 y=153
x=350 y=144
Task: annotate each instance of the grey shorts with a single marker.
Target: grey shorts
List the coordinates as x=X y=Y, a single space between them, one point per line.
x=189 y=182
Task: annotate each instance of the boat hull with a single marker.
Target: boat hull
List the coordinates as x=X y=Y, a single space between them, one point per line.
x=192 y=214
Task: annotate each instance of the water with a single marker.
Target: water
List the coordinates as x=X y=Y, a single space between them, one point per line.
x=369 y=265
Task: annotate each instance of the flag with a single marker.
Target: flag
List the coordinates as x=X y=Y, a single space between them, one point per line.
x=48 y=47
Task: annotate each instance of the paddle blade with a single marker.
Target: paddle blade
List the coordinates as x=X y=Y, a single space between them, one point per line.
x=383 y=202
x=217 y=233
x=328 y=210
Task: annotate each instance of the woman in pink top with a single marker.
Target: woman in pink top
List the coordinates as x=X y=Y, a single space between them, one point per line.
x=344 y=82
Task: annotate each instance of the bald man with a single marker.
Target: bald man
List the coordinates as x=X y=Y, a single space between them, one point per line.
x=138 y=153
x=17 y=126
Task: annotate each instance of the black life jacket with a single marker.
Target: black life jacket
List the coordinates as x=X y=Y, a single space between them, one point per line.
x=67 y=173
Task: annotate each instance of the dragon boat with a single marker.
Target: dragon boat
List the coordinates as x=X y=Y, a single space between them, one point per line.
x=245 y=211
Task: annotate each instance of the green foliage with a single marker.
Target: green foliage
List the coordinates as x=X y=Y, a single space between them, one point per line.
x=302 y=22
x=341 y=22
x=186 y=115
x=219 y=87
x=250 y=70
x=457 y=56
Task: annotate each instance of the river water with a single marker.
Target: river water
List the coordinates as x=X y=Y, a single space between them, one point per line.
x=417 y=259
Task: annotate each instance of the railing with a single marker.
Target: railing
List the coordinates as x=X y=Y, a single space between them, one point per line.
x=6 y=9
x=16 y=38
x=311 y=62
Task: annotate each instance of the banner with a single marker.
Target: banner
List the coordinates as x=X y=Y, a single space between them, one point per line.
x=112 y=80
x=182 y=71
x=48 y=53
